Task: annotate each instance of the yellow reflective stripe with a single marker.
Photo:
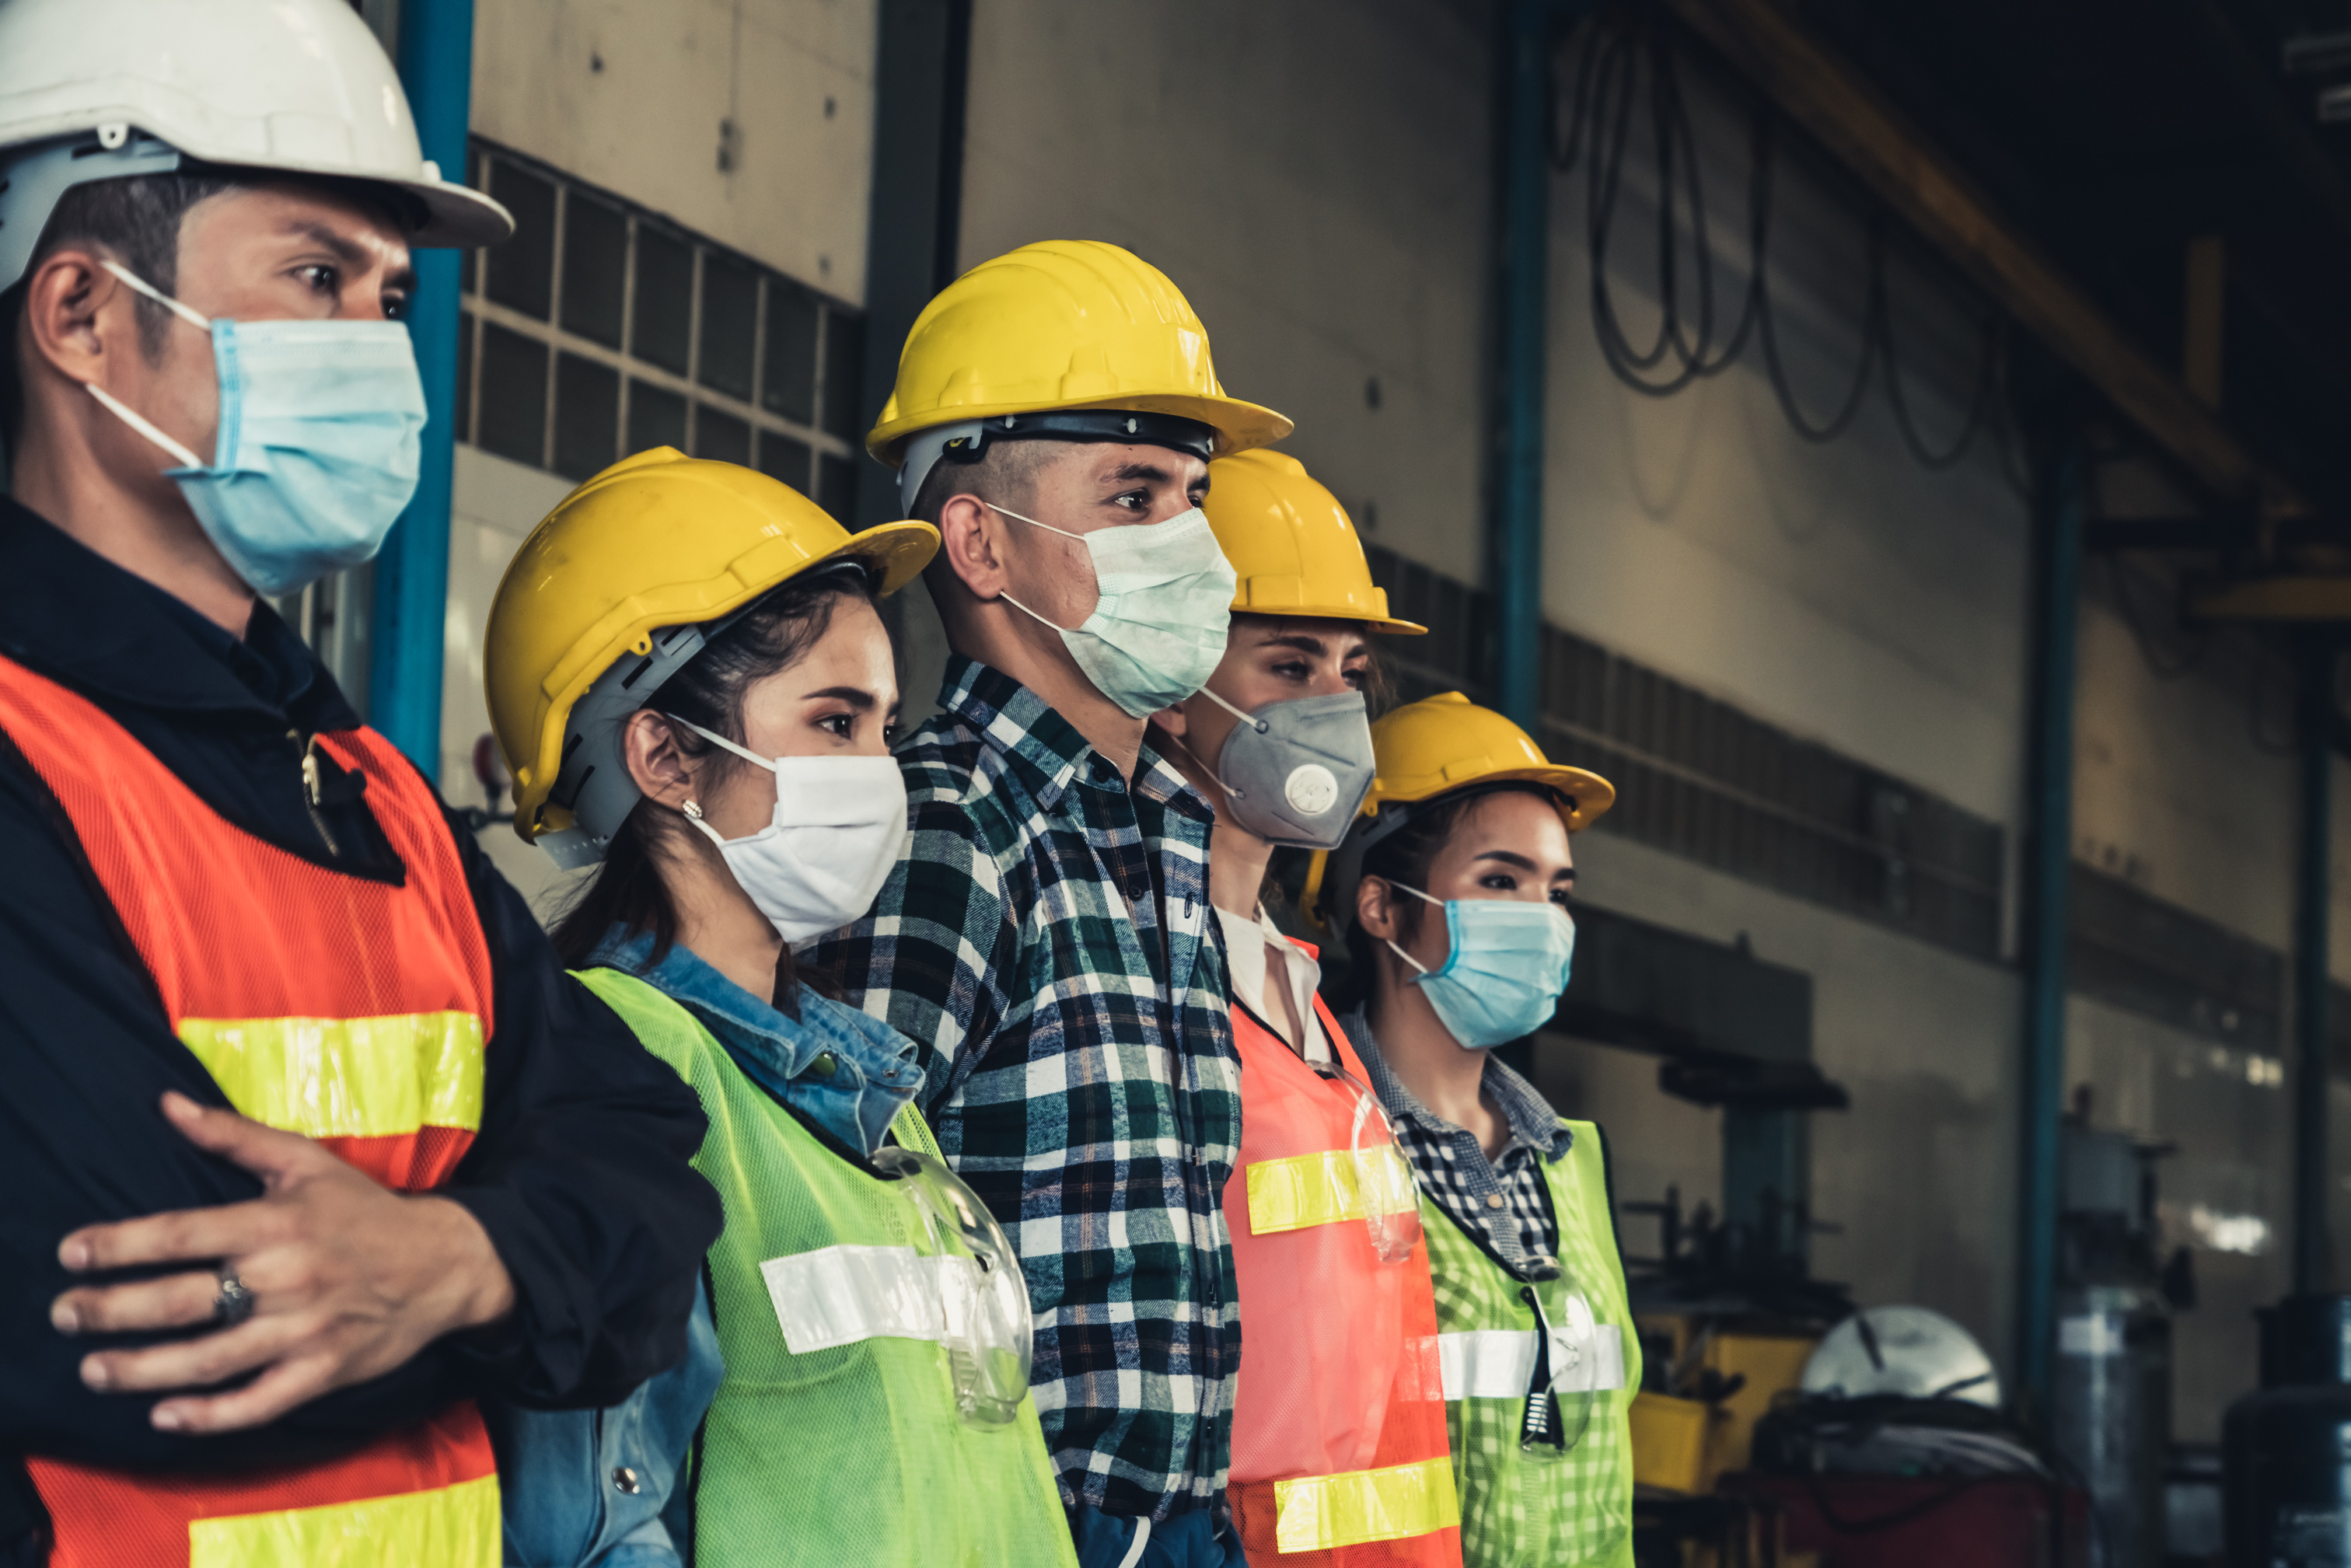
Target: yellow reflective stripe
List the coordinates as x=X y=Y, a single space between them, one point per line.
x=1300 y=1190
x=1317 y=1513
x=347 y=1078
x=453 y=1525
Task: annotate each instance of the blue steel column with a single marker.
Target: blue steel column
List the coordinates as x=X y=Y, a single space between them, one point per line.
x=2313 y=1042
x=1530 y=28
x=411 y=574
x=2048 y=874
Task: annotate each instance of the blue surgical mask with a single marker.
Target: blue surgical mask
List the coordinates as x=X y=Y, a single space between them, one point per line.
x=1163 y=604
x=318 y=447
x=1503 y=979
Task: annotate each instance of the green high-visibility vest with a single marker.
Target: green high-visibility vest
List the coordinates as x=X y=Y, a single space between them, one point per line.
x=851 y=1453
x=1573 y=1512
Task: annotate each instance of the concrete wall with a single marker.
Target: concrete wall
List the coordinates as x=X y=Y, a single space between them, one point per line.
x=637 y=98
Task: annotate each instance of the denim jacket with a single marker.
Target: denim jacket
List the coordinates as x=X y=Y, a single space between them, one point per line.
x=599 y=1489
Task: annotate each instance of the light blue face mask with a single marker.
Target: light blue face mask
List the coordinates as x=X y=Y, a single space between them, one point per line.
x=1166 y=601
x=1503 y=979
x=318 y=444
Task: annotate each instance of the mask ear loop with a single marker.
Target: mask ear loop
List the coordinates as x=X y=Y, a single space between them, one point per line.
x=692 y=809
x=1051 y=529
x=1419 y=966
x=124 y=411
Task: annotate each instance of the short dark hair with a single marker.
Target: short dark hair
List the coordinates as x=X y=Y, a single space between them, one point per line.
x=138 y=219
x=1005 y=472
x=628 y=889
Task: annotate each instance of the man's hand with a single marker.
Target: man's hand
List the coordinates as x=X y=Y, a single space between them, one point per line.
x=348 y=1280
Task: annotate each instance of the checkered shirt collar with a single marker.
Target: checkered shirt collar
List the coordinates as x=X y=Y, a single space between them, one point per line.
x=1045 y=748
x=1535 y=1125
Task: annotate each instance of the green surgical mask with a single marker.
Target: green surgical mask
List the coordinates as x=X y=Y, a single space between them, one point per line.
x=1164 y=598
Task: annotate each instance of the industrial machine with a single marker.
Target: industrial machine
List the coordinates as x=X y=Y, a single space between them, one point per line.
x=2286 y=1447
x=2111 y=1423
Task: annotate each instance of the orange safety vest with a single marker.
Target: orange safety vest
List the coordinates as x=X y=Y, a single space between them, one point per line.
x=350 y=1009
x=1340 y=1454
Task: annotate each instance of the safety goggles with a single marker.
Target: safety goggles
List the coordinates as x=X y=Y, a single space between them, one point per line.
x=1563 y=1389
x=1384 y=1180
x=987 y=1331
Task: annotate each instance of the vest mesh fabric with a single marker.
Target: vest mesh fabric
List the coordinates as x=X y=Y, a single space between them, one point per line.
x=271 y=958
x=852 y=1455
x=1576 y=1513
x=1340 y=1372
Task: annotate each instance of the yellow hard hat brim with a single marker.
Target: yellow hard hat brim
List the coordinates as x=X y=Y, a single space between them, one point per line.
x=1383 y=623
x=1240 y=426
x=1590 y=794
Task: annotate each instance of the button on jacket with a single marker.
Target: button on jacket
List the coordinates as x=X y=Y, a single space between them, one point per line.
x=579 y=1169
x=1048 y=943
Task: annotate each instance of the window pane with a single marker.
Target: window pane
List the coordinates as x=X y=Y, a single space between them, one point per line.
x=844 y=350
x=466 y=375
x=721 y=435
x=522 y=270
x=664 y=298
x=781 y=457
x=656 y=418
x=595 y=268
x=730 y=319
x=514 y=395
x=587 y=415
x=791 y=373
x=836 y=487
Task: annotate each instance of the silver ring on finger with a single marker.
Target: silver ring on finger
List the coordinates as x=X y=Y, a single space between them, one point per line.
x=235 y=1302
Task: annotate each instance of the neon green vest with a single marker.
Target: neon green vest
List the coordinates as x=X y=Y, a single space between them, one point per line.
x=1576 y=1513
x=848 y=1455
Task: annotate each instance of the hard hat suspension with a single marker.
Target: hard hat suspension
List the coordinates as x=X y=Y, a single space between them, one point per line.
x=35 y=180
x=968 y=440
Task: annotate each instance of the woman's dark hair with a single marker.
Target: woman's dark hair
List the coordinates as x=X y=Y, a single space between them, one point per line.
x=628 y=889
x=1405 y=856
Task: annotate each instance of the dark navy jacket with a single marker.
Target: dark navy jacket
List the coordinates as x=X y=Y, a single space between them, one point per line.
x=580 y=1171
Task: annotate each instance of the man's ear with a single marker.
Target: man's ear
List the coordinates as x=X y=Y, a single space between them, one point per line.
x=656 y=766
x=1174 y=720
x=63 y=325
x=971 y=544
x=1372 y=912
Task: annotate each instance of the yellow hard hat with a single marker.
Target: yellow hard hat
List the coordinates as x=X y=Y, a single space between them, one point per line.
x=1057 y=325
x=1432 y=748
x=644 y=560
x=1292 y=545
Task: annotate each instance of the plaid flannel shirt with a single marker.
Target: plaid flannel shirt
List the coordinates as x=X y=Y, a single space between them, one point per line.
x=1045 y=940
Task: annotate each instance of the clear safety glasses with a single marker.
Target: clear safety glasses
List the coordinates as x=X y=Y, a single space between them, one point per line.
x=984 y=1299
x=1564 y=1386
x=1384 y=1180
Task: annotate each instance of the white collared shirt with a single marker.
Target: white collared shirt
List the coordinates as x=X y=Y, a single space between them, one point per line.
x=1255 y=949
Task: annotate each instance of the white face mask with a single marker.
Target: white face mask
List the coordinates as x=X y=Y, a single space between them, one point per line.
x=839 y=824
x=1162 y=605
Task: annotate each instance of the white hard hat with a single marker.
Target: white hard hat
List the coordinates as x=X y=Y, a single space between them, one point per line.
x=97 y=89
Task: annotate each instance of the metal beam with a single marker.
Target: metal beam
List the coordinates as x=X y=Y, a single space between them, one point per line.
x=2312 y=899
x=1529 y=29
x=2048 y=883
x=920 y=77
x=2286 y=597
x=412 y=572
x=1841 y=112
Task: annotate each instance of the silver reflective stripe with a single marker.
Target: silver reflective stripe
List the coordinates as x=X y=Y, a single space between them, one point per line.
x=839 y=1296
x=1499 y=1364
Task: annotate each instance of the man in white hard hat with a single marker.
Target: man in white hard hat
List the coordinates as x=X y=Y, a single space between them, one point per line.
x=247 y=1338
